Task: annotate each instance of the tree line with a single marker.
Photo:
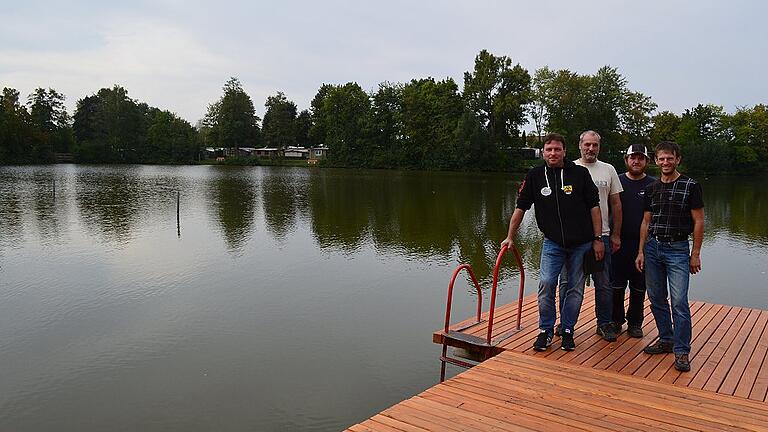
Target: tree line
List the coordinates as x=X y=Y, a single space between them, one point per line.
x=422 y=124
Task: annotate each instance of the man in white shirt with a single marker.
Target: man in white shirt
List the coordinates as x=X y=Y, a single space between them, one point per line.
x=609 y=187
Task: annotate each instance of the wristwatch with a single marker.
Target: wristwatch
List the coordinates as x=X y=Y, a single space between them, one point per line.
x=597 y=238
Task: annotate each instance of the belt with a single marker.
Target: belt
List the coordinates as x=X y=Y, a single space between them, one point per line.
x=670 y=238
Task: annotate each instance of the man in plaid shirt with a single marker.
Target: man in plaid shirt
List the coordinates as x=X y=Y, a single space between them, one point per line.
x=674 y=209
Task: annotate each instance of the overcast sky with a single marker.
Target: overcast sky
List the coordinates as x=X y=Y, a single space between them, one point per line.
x=176 y=55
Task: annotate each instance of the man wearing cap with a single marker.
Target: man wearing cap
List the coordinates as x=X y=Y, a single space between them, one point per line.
x=568 y=213
x=608 y=185
x=674 y=209
x=623 y=270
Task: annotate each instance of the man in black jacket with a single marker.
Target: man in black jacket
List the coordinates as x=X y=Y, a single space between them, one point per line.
x=568 y=213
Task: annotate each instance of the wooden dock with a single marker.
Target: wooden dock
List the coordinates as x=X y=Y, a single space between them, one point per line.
x=601 y=385
x=517 y=392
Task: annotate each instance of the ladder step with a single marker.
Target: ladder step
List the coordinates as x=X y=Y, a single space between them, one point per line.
x=464 y=338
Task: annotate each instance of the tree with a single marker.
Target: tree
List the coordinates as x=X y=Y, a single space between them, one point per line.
x=52 y=122
x=664 y=127
x=16 y=132
x=431 y=111
x=567 y=106
x=303 y=125
x=749 y=129
x=170 y=139
x=388 y=140
x=540 y=93
x=703 y=138
x=279 y=127
x=498 y=94
x=341 y=119
x=232 y=119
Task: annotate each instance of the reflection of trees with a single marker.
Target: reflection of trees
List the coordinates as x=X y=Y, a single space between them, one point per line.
x=280 y=192
x=110 y=200
x=738 y=206
x=231 y=193
x=49 y=208
x=420 y=213
x=339 y=202
x=11 y=226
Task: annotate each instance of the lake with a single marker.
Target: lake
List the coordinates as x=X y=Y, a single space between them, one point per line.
x=280 y=299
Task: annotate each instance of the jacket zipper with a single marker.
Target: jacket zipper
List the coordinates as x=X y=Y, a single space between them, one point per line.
x=557 y=203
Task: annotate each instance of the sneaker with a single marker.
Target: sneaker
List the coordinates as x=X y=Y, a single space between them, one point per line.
x=682 y=363
x=567 y=344
x=658 y=347
x=543 y=341
x=606 y=331
x=635 y=331
x=559 y=329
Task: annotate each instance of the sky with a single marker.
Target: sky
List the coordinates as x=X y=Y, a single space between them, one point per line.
x=177 y=55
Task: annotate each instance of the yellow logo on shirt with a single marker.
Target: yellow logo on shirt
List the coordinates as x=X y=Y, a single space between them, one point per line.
x=567 y=189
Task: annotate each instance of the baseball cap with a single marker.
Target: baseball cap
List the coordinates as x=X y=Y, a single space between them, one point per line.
x=637 y=148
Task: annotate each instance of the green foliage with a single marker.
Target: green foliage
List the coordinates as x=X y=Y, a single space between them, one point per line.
x=497 y=94
x=16 y=130
x=231 y=121
x=111 y=127
x=342 y=117
x=570 y=103
x=280 y=125
x=664 y=127
x=423 y=124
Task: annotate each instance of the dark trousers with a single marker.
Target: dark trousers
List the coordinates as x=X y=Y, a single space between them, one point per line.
x=624 y=273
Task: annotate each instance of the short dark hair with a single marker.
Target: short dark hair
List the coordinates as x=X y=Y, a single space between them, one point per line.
x=554 y=137
x=668 y=146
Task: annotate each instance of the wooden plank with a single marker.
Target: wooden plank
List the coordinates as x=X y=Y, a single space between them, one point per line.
x=707 y=368
x=617 y=398
x=736 y=406
x=756 y=361
x=549 y=394
x=396 y=424
x=728 y=360
x=620 y=348
x=566 y=413
x=457 y=418
x=713 y=318
x=667 y=361
x=490 y=419
x=706 y=351
x=642 y=364
x=760 y=389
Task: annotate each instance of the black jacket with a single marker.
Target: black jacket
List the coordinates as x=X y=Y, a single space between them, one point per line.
x=564 y=214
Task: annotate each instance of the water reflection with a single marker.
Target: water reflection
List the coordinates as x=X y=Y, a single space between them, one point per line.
x=737 y=207
x=231 y=194
x=443 y=216
x=281 y=194
x=10 y=208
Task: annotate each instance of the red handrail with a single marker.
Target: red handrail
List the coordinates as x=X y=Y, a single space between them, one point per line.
x=444 y=358
x=450 y=293
x=495 y=285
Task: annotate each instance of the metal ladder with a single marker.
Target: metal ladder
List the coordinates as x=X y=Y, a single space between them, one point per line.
x=481 y=349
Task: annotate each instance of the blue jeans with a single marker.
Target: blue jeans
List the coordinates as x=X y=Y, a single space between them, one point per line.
x=667 y=267
x=603 y=289
x=553 y=258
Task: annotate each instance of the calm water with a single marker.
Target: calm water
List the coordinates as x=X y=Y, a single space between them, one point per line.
x=285 y=299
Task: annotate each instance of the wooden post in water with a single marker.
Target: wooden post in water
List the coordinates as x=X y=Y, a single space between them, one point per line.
x=178 y=220
x=54 y=187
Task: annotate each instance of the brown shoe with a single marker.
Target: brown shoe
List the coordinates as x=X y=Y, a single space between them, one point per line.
x=682 y=363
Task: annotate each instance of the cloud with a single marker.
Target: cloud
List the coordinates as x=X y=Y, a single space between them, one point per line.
x=157 y=63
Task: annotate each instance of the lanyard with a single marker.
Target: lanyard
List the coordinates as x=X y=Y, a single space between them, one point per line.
x=546 y=177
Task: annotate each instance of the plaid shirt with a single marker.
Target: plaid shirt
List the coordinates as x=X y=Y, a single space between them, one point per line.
x=670 y=205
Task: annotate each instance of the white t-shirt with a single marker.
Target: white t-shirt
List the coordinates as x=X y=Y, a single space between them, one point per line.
x=607 y=181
